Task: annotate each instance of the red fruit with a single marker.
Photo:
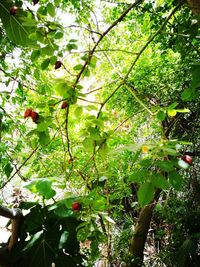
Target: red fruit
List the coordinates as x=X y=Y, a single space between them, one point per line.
x=187 y=159
x=58 y=64
x=28 y=113
x=13 y=10
x=76 y=206
x=64 y=105
x=70 y=161
x=34 y=116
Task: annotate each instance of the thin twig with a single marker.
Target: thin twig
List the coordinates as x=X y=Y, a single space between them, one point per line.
x=152 y=38
x=107 y=99
x=67 y=133
x=25 y=161
x=101 y=87
x=84 y=28
x=89 y=101
x=102 y=36
x=127 y=120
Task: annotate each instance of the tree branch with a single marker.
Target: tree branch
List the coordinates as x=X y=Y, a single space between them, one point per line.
x=25 y=161
x=152 y=38
x=67 y=133
x=102 y=36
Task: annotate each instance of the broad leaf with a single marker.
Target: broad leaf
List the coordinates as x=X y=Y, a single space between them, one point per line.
x=14 y=26
x=176 y=180
x=159 y=181
x=44 y=188
x=145 y=194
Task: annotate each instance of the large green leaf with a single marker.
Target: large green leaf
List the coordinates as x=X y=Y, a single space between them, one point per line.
x=145 y=194
x=52 y=239
x=165 y=165
x=176 y=180
x=16 y=26
x=159 y=181
x=44 y=188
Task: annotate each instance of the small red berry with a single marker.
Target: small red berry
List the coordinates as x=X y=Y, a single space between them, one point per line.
x=187 y=159
x=64 y=105
x=13 y=10
x=34 y=116
x=76 y=206
x=28 y=113
x=70 y=161
x=58 y=64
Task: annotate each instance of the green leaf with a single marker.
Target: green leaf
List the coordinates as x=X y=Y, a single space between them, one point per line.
x=184 y=110
x=172 y=112
x=51 y=9
x=73 y=40
x=86 y=72
x=47 y=50
x=53 y=60
x=159 y=181
x=145 y=194
x=42 y=10
x=161 y=115
x=189 y=94
x=27 y=205
x=78 y=112
x=165 y=165
x=93 y=62
x=35 y=55
x=63 y=212
x=176 y=180
x=88 y=144
x=139 y=176
x=63 y=88
x=57 y=2
x=33 y=36
x=187 y=250
x=78 y=67
x=31 y=186
x=71 y=46
x=33 y=240
x=84 y=58
x=8 y=169
x=173 y=105
x=58 y=35
x=196 y=76
x=13 y=25
x=28 y=21
x=44 y=188
x=45 y=64
x=44 y=138
x=42 y=126
x=63 y=239
x=103 y=148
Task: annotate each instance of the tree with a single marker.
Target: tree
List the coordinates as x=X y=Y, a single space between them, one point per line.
x=97 y=99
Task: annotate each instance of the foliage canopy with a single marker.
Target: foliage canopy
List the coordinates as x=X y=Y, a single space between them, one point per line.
x=111 y=89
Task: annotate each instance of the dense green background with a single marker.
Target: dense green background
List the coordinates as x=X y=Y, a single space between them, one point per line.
x=130 y=75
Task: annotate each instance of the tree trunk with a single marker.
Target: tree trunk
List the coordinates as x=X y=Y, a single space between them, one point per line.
x=140 y=235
